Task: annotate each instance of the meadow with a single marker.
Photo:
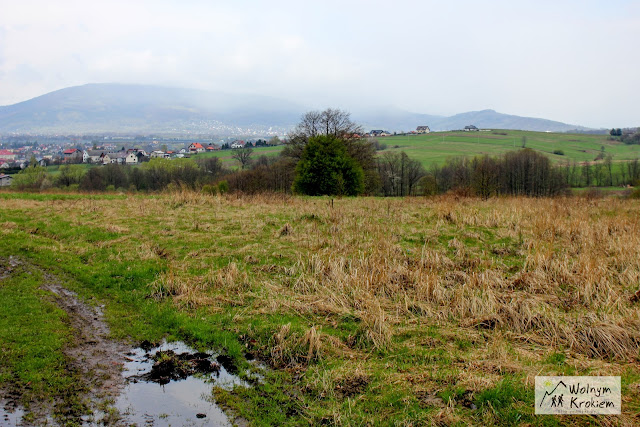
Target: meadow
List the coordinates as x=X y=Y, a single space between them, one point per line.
x=438 y=146
x=372 y=311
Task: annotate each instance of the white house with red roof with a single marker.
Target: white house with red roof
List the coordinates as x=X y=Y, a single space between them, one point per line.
x=196 y=147
x=72 y=154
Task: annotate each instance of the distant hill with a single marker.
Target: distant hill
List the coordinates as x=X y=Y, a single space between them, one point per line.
x=97 y=108
x=101 y=108
x=394 y=120
x=490 y=119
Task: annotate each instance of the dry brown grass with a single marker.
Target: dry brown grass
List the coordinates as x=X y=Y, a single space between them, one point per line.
x=504 y=283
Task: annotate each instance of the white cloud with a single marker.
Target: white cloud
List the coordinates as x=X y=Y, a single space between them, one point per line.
x=563 y=60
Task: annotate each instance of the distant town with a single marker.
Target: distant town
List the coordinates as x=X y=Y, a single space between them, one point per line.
x=17 y=151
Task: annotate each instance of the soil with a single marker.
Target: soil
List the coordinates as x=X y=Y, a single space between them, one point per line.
x=169 y=365
x=94 y=359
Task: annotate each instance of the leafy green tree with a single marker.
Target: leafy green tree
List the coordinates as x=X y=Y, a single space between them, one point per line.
x=325 y=168
x=31 y=178
x=69 y=175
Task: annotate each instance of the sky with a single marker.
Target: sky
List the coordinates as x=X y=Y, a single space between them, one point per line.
x=573 y=61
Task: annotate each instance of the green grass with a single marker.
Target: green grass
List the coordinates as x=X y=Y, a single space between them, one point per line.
x=437 y=147
x=32 y=334
x=112 y=249
x=54 y=170
x=226 y=155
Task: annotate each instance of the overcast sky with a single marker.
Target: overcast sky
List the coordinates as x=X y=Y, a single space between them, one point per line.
x=572 y=61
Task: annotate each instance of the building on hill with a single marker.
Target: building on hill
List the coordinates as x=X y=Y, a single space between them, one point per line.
x=196 y=147
x=7 y=155
x=5 y=180
x=132 y=158
x=92 y=156
x=238 y=144
x=72 y=155
x=117 y=157
x=379 y=132
x=470 y=128
x=423 y=129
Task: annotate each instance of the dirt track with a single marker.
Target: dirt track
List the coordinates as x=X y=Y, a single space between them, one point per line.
x=91 y=356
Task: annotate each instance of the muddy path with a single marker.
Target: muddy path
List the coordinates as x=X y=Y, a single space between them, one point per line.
x=115 y=383
x=90 y=357
x=94 y=357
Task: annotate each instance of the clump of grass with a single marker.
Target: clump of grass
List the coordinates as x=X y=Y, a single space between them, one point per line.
x=375 y=331
x=229 y=279
x=291 y=349
x=501 y=404
x=285 y=230
x=187 y=292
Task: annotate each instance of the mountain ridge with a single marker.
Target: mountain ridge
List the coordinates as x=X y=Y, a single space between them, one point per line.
x=119 y=108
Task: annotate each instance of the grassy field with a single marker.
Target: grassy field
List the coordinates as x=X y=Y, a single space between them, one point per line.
x=367 y=311
x=437 y=147
x=54 y=170
x=225 y=155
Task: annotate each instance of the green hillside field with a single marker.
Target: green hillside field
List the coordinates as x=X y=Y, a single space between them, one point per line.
x=225 y=155
x=436 y=147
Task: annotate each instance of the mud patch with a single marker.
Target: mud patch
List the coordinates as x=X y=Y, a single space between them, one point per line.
x=171 y=385
x=351 y=386
x=7 y=268
x=158 y=384
x=169 y=365
x=91 y=357
x=11 y=416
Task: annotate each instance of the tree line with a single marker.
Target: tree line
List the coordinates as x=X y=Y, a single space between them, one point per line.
x=326 y=155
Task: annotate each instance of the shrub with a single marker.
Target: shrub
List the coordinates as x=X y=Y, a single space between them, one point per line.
x=223 y=186
x=31 y=178
x=210 y=189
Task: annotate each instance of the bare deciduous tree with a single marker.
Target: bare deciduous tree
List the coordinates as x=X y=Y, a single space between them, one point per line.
x=243 y=156
x=332 y=122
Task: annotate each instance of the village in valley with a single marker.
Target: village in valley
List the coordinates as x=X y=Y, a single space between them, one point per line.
x=113 y=150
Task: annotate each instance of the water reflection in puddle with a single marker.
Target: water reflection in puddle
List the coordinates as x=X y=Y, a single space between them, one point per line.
x=185 y=402
x=10 y=417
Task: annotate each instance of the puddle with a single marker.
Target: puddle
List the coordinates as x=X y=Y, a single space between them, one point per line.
x=10 y=417
x=185 y=402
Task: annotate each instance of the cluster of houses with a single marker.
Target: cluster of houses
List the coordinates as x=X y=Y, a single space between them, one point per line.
x=132 y=156
x=419 y=130
x=109 y=154
x=380 y=132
